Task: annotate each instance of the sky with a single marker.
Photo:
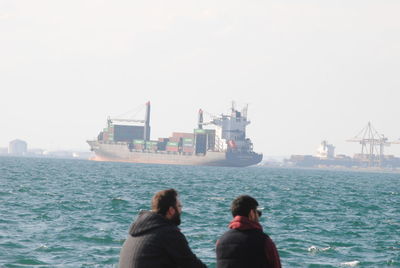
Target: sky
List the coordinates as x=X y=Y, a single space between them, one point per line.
x=309 y=70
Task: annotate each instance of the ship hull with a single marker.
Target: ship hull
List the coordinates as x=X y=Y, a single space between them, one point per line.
x=120 y=152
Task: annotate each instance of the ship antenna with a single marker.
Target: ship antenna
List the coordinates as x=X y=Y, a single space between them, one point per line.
x=200 y=120
x=244 y=111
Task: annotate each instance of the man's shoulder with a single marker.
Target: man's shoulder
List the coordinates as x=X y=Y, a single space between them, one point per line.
x=244 y=233
x=248 y=231
x=150 y=222
x=171 y=228
x=165 y=231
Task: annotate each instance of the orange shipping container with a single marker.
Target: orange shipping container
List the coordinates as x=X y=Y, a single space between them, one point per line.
x=174 y=139
x=188 y=149
x=182 y=135
x=138 y=146
x=172 y=149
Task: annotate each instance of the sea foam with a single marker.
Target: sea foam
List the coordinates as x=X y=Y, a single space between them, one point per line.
x=350 y=263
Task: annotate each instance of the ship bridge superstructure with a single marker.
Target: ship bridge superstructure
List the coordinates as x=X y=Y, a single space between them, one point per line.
x=230 y=130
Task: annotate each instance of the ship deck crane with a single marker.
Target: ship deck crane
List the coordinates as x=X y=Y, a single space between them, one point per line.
x=126 y=120
x=146 y=122
x=128 y=117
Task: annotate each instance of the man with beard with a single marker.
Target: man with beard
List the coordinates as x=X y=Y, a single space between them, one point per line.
x=245 y=244
x=154 y=239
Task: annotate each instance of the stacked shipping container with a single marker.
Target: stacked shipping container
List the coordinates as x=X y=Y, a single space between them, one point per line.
x=152 y=145
x=200 y=141
x=172 y=146
x=178 y=136
x=138 y=144
x=127 y=133
x=122 y=133
x=187 y=145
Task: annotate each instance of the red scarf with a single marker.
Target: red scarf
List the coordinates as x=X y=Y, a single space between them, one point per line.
x=244 y=223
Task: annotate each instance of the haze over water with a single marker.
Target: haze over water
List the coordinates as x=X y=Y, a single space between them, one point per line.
x=74 y=213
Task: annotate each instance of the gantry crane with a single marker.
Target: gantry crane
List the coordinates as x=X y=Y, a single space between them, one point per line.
x=372 y=145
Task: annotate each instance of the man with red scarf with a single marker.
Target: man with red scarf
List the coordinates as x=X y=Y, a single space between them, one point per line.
x=245 y=245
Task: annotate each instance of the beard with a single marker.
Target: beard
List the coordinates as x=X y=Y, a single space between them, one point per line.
x=176 y=219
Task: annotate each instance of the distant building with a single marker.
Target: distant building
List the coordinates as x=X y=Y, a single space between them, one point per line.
x=17 y=147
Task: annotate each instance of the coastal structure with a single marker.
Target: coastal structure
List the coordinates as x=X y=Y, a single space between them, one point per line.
x=17 y=147
x=372 y=153
x=221 y=141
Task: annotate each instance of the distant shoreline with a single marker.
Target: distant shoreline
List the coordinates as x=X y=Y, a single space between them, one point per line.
x=358 y=169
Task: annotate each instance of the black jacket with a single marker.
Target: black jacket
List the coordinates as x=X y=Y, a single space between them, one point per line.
x=245 y=246
x=155 y=242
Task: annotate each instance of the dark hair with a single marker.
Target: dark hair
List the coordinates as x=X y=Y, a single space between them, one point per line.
x=163 y=200
x=242 y=205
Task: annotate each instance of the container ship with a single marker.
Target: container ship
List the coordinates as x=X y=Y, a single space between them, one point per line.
x=326 y=157
x=219 y=142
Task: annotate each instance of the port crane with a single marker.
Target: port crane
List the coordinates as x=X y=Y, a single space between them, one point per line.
x=372 y=145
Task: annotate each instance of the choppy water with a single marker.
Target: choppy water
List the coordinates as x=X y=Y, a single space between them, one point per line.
x=72 y=213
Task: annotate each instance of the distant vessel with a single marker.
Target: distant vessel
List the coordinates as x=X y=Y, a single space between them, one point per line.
x=223 y=144
x=325 y=156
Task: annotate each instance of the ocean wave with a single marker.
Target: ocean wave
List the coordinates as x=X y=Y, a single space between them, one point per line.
x=316 y=249
x=350 y=263
x=315 y=218
x=219 y=198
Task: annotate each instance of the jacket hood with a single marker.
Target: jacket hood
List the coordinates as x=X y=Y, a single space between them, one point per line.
x=244 y=223
x=147 y=221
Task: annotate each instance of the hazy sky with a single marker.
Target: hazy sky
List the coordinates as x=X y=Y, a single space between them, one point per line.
x=309 y=70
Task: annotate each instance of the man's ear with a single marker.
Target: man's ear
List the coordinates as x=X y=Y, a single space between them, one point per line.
x=252 y=215
x=170 y=212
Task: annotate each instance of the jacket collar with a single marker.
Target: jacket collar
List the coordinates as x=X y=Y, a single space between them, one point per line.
x=148 y=221
x=244 y=223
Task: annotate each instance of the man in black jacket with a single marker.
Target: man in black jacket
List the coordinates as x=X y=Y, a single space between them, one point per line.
x=245 y=245
x=154 y=240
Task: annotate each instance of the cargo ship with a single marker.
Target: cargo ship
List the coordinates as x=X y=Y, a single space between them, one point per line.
x=326 y=157
x=219 y=142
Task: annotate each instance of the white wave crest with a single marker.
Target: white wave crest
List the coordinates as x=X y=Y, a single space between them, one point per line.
x=217 y=198
x=312 y=249
x=350 y=263
x=316 y=249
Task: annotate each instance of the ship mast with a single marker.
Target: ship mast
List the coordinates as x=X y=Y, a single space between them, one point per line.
x=146 y=130
x=200 y=120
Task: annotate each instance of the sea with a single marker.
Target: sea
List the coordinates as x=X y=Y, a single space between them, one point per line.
x=76 y=213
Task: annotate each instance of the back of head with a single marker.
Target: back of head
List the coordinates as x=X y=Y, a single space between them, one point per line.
x=163 y=200
x=242 y=205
